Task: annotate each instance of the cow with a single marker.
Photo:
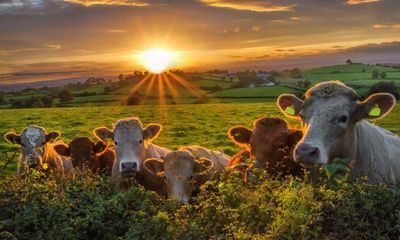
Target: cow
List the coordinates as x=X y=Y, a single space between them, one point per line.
x=84 y=152
x=270 y=143
x=218 y=158
x=37 y=150
x=180 y=170
x=335 y=125
x=133 y=144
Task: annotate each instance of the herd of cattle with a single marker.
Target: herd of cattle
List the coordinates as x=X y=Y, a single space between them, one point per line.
x=333 y=122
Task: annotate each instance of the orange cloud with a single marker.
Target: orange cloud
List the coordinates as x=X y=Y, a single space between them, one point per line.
x=89 y=3
x=354 y=2
x=387 y=26
x=253 y=5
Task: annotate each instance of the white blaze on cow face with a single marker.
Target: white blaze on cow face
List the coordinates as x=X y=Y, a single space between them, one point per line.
x=129 y=146
x=131 y=143
x=180 y=170
x=32 y=140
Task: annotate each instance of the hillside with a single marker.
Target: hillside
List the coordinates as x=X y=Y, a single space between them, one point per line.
x=355 y=74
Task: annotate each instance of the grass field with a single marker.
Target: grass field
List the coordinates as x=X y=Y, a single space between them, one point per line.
x=202 y=124
x=359 y=74
x=272 y=92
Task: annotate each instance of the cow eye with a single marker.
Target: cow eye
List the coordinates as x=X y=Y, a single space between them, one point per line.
x=140 y=141
x=115 y=142
x=343 y=119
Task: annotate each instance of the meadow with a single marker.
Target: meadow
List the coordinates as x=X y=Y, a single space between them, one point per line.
x=91 y=207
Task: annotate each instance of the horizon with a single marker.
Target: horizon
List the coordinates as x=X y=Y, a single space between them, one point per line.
x=50 y=40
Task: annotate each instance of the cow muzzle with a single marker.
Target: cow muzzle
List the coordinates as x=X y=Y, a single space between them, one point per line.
x=307 y=154
x=129 y=167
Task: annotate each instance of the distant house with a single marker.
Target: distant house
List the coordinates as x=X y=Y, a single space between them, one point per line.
x=268 y=83
x=252 y=85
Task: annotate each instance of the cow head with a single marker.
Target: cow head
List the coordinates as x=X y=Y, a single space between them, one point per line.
x=328 y=115
x=266 y=141
x=33 y=140
x=180 y=170
x=82 y=151
x=130 y=141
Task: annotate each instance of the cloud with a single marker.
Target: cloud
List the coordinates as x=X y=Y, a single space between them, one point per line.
x=252 y=5
x=44 y=47
x=387 y=26
x=89 y=3
x=355 y=2
x=256 y=28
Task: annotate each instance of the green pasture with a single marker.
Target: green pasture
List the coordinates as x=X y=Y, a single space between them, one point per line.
x=183 y=124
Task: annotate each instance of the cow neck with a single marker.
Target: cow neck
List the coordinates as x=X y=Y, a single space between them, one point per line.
x=375 y=151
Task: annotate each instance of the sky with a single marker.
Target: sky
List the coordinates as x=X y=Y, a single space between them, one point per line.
x=50 y=39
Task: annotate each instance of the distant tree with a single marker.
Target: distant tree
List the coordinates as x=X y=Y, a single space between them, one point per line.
x=121 y=77
x=375 y=74
x=65 y=95
x=47 y=101
x=107 y=89
x=33 y=101
x=363 y=70
x=383 y=75
x=2 y=98
x=348 y=61
x=133 y=99
x=300 y=82
x=382 y=86
x=306 y=83
x=295 y=73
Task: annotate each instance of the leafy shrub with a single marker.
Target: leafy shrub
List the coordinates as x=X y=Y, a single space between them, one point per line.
x=91 y=207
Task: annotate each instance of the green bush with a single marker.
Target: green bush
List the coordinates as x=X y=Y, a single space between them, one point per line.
x=91 y=207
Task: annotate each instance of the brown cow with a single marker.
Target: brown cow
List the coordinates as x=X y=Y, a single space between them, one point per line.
x=270 y=143
x=38 y=150
x=335 y=126
x=132 y=146
x=180 y=170
x=85 y=152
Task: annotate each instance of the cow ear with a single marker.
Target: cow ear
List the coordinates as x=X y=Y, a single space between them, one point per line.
x=151 y=131
x=12 y=137
x=100 y=146
x=154 y=166
x=202 y=165
x=290 y=105
x=51 y=137
x=375 y=106
x=62 y=149
x=295 y=136
x=240 y=135
x=103 y=133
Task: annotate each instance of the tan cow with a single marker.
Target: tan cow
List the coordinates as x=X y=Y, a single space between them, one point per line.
x=84 y=152
x=270 y=143
x=180 y=170
x=335 y=126
x=133 y=144
x=37 y=150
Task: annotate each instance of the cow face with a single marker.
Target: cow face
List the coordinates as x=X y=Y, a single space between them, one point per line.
x=82 y=151
x=180 y=170
x=130 y=141
x=328 y=115
x=265 y=142
x=33 y=140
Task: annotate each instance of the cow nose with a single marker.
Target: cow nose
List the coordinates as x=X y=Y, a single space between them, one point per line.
x=307 y=153
x=129 y=167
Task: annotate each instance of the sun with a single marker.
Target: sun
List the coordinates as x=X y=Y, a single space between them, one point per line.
x=157 y=60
